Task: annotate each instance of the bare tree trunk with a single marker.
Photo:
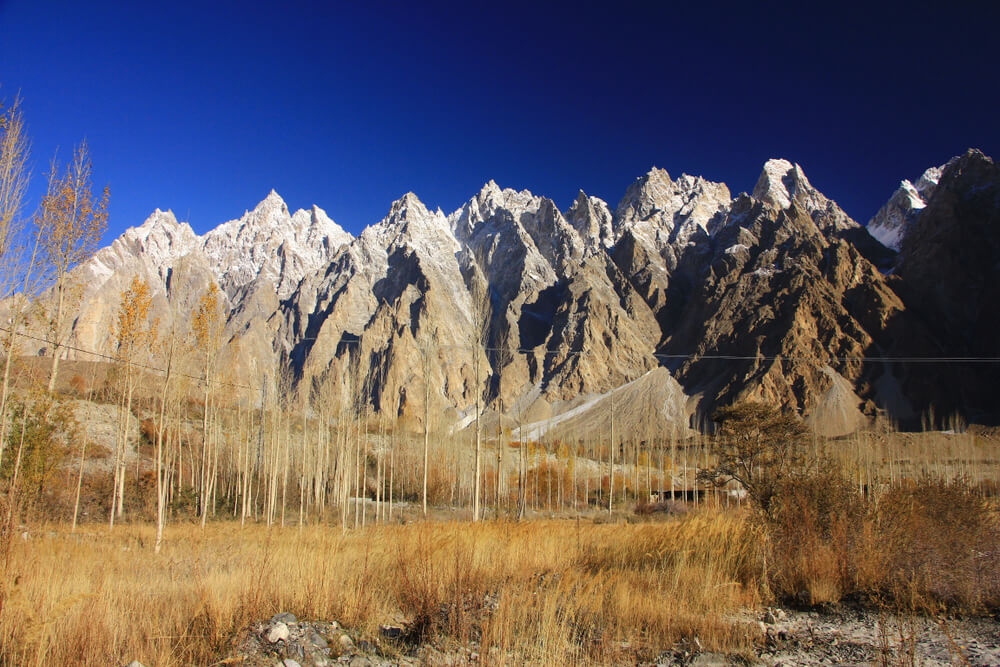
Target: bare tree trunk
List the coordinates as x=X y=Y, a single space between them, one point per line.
x=522 y=469
x=357 y=472
x=161 y=427
x=5 y=393
x=57 y=339
x=427 y=417
x=128 y=417
x=284 y=468
x=477 y=479
x=12 y=498
x=611 y=456
x=79 y=483
x=206 y=450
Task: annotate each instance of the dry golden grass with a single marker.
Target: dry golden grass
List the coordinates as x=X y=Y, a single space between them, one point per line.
x=922 y=545
x=551 y=592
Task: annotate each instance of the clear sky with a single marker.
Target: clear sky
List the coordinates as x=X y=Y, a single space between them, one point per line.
x=204 y=107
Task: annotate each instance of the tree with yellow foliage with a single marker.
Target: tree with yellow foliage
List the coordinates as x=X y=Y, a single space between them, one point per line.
x=207 y=326
x=14 y=176
x=70 y=226
x=134 y=333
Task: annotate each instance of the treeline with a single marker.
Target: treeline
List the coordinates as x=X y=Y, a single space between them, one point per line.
x=38 y=251
x=190 y=437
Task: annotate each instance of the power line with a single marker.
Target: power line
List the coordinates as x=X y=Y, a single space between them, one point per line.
x=528 y=351
x=109 y=357
x=734 y=357
x=910 y=360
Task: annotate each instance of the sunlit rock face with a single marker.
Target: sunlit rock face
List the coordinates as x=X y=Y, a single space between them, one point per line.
x=776 y=295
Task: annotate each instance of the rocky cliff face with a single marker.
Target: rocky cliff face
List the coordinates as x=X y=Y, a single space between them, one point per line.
x=949 y=277
x=774 y=295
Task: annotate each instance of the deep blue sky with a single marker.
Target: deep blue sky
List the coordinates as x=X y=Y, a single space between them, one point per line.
x=204 y=107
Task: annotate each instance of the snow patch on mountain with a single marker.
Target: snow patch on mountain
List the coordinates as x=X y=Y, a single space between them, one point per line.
x=270 y=242
x=892 y=221
x=662 y=211
x=783 y=183
x=156 y=245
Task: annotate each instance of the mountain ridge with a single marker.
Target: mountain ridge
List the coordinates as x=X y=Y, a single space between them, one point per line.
x=582 y=300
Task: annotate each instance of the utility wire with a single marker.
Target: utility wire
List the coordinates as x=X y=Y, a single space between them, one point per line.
x=527 y=351
x=147 y=367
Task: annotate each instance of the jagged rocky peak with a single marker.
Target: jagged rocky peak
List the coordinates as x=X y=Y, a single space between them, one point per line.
x=897 y=215
x=316 y=223
x=271 y=202
x=409 y=223
x=489 y=189
x=271 y=218
x=155 y=244
x=516 y=223
x=592 y=219
x=269 y=242
x=779 y=182
x=657 y=195
x=663 y=212
x=161 y=233
x=406 y=214
x=645 y=196
x=783 y=183
x=489 y=202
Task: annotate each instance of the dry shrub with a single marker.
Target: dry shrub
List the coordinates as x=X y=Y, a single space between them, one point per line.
x=942 y=545
x=78 y=385
x=813 y=538
x=920 y=545
x=148 y=429
x=988 y=488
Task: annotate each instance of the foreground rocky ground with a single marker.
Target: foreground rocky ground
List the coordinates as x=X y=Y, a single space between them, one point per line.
x=838 y=636
x=848 y=637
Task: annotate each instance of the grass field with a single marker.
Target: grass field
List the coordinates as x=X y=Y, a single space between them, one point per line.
x=541 y=591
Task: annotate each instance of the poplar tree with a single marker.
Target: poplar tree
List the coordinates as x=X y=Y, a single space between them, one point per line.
x=481 y=313
x=207 y=326
x=71 y=224
x=14 y=273
x=134 y=334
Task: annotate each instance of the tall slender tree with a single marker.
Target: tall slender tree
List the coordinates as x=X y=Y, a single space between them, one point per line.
x=15 y=263
x=503 y=356
x=478 y=336
x=161 y=426
x=207 y=326
x=134 y=334
x=425 y=362
x=71 y=224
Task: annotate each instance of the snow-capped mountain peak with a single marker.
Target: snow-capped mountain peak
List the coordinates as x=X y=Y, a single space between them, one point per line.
x=779 y=182
x=892 y=221
x=270 y=242
x=409 y=223
x=782 y=183
x=666 y=213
